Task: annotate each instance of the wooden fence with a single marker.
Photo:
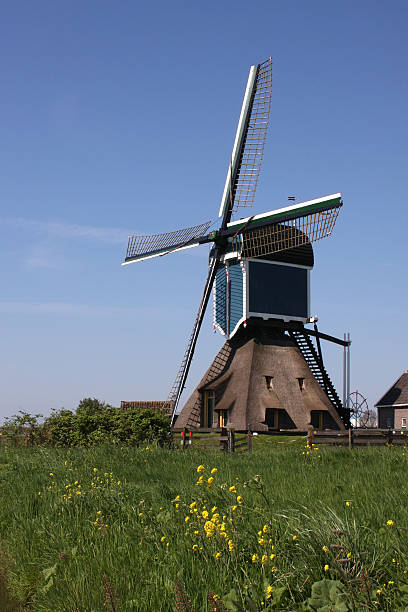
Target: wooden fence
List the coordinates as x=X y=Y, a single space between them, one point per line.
x=360 y=437
x=223 y=439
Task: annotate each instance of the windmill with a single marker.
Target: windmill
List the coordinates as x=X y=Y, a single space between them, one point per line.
x=259 y=266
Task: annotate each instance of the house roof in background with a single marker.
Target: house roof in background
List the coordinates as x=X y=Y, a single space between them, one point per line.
x=397 y=394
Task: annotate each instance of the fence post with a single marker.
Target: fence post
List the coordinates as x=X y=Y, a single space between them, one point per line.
x=231 y=444
x=224 y=443
x=310 y=432
x=183 y=438
x=350 y=438
x=190 y=438
x=249 y=442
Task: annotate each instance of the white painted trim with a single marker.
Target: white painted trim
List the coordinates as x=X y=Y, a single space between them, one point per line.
x=231 y=255
x=214 y=302
x=279 y=263
x=266 y=316
x=234 y=331
x=308 y=294
x=189 y=246
x=285 y=209
x=392 y=406
x=238 y=136
x=245 y=293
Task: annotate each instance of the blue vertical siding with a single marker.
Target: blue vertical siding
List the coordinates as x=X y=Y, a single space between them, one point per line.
x=220 y=298
x=236 y=295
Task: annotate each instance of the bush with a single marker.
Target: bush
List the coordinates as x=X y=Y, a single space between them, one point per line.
x=93 y=423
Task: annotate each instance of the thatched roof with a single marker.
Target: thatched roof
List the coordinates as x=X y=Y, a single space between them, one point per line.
x=397 y=394
x=259 y=369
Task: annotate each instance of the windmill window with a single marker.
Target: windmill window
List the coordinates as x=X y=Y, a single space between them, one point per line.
x=301 y=382
x=403 y=422
x=269 y=383
x=223 y=418
x=207 y=408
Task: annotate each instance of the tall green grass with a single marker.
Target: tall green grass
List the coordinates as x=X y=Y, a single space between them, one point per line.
x=105 y=528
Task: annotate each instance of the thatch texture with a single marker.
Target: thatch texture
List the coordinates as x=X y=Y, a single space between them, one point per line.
x=262 y=370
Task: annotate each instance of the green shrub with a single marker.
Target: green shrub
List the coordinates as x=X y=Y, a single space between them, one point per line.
x=93 y=423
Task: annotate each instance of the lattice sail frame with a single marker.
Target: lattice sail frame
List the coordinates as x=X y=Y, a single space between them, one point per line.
x=142 y=247
x=251 y=160
x=288 y=235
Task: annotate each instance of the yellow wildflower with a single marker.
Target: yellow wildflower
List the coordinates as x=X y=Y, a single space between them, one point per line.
x=325 y=549
x=349 y=555
x=200 y=480
x=348 y=504
x=230 y=545
x=255 y=558
x=218 y=555
x=264 y=559
x=232 y=489
x=272 y=556
x=140 y=514
x=265 y=529
x=261 y=541
x=204 y=514
x=209 y=528
x=213 y=509
x=95 y=470
x=234 y=508
x=214 y=471
x=269 y=591
x=200 y=469
x=391 y=582
x=99 y=512
x=51 y=474
x=210 y=480
x=196 y=533
x=379 y=591
x=78 y=492
x=294 y=538
x=195 y=547
x=390 y=523
x=193 y=504
x=187 y=519
x=239 y=499
x=163 y=539
x=177 y=498
x=326 y=568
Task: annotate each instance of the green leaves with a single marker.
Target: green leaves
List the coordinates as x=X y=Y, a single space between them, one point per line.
x=49 y=578
x=327 y=596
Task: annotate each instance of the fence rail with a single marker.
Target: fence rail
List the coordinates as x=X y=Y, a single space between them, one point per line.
x=221 y=439
x=360 y=437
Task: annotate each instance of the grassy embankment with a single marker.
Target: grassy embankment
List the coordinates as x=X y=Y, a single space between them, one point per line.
x=115 y=529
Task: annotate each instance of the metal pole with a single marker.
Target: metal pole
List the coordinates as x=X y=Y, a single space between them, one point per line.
x=344 y=373
x=348 y=372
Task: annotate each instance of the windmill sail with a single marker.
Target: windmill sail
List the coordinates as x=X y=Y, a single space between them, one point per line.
x=180 y=380
x=155 y=245
x=286 y=228
x=247 y=153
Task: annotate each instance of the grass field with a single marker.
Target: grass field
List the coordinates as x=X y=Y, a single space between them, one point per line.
x=116 y=528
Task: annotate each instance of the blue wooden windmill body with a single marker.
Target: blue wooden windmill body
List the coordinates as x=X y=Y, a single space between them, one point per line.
x=254 y=288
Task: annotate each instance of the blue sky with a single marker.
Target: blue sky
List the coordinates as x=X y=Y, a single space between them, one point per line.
x=119 y=118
